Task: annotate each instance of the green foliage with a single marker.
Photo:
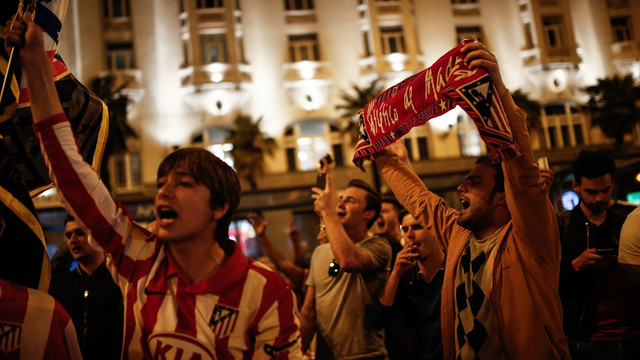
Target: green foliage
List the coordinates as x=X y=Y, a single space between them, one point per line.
x=532 y=108
x=250 y=145
x=106 y=88
x=354 y=100
x=614 y=106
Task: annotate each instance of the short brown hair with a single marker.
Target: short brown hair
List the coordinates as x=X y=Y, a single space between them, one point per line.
x=373 y=200
x=210 y=171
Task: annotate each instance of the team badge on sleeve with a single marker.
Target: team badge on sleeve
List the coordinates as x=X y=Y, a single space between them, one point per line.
x=223 y=320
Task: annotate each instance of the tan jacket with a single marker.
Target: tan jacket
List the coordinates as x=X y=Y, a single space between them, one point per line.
x=525 y=263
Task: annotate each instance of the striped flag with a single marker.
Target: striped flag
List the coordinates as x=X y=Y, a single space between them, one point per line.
x=86 y=112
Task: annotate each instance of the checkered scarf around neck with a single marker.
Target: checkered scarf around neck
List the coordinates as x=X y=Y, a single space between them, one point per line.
x=431 y=93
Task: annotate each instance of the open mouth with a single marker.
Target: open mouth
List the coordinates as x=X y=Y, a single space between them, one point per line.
x=464 y=203
x=166 y=213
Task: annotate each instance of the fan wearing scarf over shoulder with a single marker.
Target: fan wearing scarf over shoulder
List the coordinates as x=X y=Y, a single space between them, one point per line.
x=499 y=293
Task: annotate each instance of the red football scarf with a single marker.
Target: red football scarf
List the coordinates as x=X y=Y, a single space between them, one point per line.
x=431 y=93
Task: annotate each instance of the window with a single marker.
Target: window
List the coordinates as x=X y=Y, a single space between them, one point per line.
x=392 y=40
x=115 y=8
x=209 y=4
x=120 y=56
x=298 y=4
x=215 y=139
x=466 y=32
x=553 y=29
x=214 y=48
x=308 y=141
x=303 y=47
x=620 y=27
x=470 y=143
x=564 y=126
x=127 y=172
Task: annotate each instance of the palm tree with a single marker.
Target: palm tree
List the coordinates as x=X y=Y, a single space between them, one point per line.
x=531 y=107
x=106 y=88
x=353 y=101
x=250 y=145
x=614 y=105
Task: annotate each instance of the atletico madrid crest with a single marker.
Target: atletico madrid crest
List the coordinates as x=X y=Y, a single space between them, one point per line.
x=223 y=320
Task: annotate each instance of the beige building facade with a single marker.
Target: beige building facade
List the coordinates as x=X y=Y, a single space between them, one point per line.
x=192 y=65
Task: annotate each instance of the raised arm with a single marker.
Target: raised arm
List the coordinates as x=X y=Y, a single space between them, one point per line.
x=26 y=38
x=349 y=256
x=531 y=211
x=427 y=208
x=83 y=193
x=288 y=268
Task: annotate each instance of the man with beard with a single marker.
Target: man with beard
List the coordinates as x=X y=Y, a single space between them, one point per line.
x=499 y=292
x=596 y=320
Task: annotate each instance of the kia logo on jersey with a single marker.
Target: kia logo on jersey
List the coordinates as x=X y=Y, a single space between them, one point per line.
x=173 y=346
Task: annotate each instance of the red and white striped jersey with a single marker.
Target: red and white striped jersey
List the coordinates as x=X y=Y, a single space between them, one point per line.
x=33 y=325
x=243 y=311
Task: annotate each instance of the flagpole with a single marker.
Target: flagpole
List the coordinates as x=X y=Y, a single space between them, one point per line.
x=6 y=73
x=31 y=6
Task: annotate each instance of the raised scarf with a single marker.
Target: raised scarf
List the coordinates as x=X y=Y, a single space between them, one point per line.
x=431 y=93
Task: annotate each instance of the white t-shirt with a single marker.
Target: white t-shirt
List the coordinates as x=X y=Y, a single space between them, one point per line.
x=629 y=250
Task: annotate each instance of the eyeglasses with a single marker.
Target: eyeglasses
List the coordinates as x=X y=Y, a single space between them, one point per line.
x=334 y=268
x=76 y=232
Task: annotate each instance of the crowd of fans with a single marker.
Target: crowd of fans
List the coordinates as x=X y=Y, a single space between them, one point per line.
x=504 y=277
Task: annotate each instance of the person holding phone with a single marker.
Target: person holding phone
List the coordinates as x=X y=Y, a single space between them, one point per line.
x=592 y=290
x=346 y=274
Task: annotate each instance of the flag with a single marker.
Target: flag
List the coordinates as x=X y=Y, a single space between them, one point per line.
x=23 y=251
x=87 y=114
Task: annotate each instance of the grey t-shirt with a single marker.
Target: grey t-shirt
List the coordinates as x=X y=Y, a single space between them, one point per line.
x=342 y=300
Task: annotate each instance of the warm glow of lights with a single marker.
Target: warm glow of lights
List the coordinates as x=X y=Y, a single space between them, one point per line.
x=306 y=69
x=397 y=61
x=49 y=192
x=218 y=102
x=216 y=78
x=217 y=71
x=444 y=123
x=304 y=141
x=638 y=177
x=302 y=156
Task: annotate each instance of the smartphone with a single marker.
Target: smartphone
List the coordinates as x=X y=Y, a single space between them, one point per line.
x=321 y=180
x=543 y=162
x=608 y=251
